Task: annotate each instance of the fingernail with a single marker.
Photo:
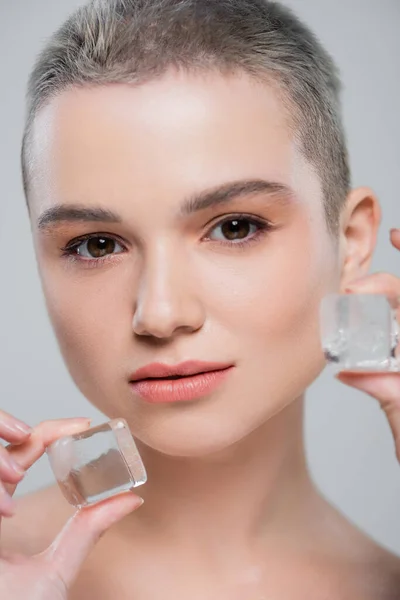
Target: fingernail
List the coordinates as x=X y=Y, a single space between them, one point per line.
x=7 y=505
x=394 y=230
x=351 y=286
x=76 y=424
x=139 y=499
x=357 y=280
x=23 y=428
x=15 y=466
x=80 y=420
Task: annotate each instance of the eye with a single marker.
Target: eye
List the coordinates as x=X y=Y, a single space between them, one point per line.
x=237 y=229
x=94 y=247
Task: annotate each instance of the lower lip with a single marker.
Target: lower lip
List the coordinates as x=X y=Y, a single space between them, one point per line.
x=179 y=390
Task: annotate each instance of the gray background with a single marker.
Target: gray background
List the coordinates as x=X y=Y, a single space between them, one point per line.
x=349 y=443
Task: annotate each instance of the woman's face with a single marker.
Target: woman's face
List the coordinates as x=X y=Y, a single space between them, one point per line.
x=165 y=284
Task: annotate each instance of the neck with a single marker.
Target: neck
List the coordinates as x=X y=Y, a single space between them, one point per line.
x=261 y=485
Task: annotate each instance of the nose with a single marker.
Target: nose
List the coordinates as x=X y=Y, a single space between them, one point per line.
x=167 y=298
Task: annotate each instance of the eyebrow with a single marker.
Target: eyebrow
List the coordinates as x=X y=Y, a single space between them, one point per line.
x=235 y=189
x=220 y=195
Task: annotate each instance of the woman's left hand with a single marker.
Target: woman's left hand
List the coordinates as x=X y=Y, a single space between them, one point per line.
x=385 y=387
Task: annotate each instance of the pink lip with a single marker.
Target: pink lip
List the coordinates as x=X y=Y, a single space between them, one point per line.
x=198 y=379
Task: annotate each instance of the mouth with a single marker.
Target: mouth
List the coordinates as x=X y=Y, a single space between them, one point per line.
x=160 y=383
x=169 y=378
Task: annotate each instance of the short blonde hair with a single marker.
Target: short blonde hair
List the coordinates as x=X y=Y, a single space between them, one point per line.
x=133 y=41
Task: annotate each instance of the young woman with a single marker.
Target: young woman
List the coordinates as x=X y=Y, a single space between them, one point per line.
x=186 y=176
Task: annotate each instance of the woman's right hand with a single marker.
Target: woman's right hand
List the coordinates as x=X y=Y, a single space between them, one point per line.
x=49 y=575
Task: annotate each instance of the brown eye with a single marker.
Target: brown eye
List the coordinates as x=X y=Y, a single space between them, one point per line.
x=235 y=229
x=96 y=247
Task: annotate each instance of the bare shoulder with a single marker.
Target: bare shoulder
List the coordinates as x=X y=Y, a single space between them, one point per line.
x=373 y=575
x=38 y=519
x=382 y=574
x=371 y=570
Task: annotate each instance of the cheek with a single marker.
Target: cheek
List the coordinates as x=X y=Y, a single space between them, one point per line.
x=270 y=301
x=88 y=320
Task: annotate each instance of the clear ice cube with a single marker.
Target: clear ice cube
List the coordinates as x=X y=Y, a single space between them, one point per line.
x=97 y=463
x=360 y=332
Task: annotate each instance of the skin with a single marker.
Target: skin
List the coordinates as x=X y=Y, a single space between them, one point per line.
x=174 y=288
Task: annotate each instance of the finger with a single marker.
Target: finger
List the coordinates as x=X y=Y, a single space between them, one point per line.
x=44 y=434
x=379 y=283
x=385 y=387
x=82 y=531
x=10 y=471
x=376 y=283
x=395 y=238
x=7 y=505
x=13 y=430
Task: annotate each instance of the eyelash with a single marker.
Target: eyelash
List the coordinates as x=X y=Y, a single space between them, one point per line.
x=70 y=250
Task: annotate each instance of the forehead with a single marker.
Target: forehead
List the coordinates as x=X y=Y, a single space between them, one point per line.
x=178 y=133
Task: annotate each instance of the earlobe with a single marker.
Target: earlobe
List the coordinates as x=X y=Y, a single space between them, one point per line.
x=360 y=220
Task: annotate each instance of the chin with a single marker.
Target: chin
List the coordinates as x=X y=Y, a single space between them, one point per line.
x=185 y=448
x=193 y=437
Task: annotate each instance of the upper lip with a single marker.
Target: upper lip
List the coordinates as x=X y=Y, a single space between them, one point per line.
x=189 y=367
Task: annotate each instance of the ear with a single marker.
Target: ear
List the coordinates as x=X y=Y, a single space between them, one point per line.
x=359 y=224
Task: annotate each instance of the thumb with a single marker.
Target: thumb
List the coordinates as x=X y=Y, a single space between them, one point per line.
x=384 y=387
x=81 y=532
